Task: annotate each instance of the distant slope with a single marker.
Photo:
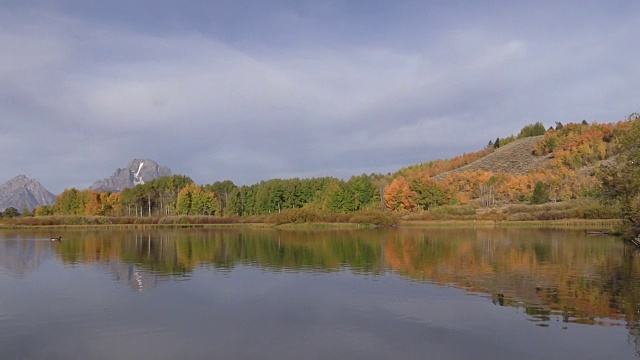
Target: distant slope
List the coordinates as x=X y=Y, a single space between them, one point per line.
x=21 y=191
x=137 y=172
x=515 y=158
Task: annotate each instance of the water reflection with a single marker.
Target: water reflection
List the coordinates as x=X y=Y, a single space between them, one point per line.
x=137 y=277
x=20 y=254
x=552 y=275
x=178 y=253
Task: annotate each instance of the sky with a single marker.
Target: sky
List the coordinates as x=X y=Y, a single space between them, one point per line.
x=254 y=90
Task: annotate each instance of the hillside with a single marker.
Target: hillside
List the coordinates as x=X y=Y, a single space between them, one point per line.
x=515 y=158
x=538 y=165
x=560 y=162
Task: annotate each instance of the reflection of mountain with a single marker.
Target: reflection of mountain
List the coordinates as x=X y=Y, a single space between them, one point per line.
x=549 y=274
x=138 y=278
x=21 y=256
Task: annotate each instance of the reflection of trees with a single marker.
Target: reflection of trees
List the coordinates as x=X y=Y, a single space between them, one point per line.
x=21 y=257
x=179 y=252
x=545 y=272
x=21 y=254
x=549 y=274
x=625 y=282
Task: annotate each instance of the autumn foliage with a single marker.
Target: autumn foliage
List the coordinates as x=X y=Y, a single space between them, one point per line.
x=568 y=156
x=574 y=150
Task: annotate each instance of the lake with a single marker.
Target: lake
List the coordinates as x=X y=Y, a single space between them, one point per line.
x=406 y=293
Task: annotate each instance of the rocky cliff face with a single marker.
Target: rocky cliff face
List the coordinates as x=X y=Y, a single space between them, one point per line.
x=21 y=191
x=137 y=172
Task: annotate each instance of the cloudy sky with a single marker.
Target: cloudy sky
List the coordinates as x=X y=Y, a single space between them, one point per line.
x=254 y=90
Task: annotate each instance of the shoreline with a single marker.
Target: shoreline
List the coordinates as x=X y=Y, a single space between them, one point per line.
x=604 y=224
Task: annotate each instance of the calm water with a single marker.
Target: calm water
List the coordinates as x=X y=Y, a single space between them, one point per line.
x=266 y=294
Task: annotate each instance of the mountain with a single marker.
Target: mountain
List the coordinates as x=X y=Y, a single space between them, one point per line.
x=137 y=172
x=21 y=191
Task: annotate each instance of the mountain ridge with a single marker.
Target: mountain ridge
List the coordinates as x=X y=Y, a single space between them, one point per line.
x=137 y=172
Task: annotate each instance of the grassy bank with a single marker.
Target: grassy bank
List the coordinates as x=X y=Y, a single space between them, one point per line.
x=608 y=224
x=308 y=218
x=565 y=210
x=583 y=214
x=133 y=222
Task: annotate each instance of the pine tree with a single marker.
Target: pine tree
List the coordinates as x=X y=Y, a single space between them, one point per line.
x=540 y=193
x=26 y=211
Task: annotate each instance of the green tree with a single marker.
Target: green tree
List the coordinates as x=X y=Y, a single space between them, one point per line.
x=269 y=197
x=236 y=202
x=621 y=181
x=205 y=202
x=428 y=193
x=185 y=200
x=25 y=211
x=540 y=193
x=193 y=200
x=222 y=190
x=43 y=210
x=10 y=212
x=532 y=130
x=70 y=202
x=172 y=188
x=340 y=198
x=363 y=191
x=293 y=196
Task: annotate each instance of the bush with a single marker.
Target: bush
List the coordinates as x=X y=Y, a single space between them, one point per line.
x=521 y=217
x=376 y=218
x=311 y=215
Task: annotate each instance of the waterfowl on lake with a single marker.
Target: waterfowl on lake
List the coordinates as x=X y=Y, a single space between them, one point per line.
x=59 y=238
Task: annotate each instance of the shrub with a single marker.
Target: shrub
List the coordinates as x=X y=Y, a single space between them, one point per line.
x=376 y=218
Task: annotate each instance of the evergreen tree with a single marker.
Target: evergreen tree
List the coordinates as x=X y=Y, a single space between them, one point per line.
x=25 y=211
x=540 y=193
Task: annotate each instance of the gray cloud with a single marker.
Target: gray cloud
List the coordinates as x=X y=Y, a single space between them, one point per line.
x=81 y=97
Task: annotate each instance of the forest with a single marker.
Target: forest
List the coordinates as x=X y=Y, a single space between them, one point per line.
x=580 y=162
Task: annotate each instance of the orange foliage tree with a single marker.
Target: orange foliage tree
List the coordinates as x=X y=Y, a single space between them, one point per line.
x=399 y=196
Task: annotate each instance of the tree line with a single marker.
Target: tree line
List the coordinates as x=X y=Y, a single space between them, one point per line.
x=571 y=149
x=179 y=195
